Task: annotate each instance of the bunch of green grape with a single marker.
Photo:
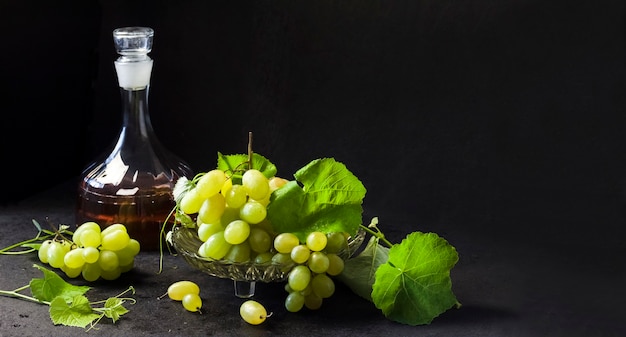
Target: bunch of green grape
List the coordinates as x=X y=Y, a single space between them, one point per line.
x=92 y=252
x=231 y=218
x=231 y=223
x=310 y=281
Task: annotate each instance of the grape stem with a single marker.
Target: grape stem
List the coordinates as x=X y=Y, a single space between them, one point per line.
x=250 y=153
x=42 y=235
x=376 y=232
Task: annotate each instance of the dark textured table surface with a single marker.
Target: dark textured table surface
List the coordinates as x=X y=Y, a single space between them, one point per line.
x=507 y=288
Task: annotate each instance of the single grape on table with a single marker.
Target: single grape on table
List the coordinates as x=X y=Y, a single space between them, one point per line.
x=253 y=312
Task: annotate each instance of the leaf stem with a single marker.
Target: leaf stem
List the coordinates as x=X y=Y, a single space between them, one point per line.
x=15 y=293
x=377 y=232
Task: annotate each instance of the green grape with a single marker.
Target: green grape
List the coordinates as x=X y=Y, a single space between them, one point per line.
x=336 y=241
x=91 y=271
x=90 y=238
x=207 y=229
x=127 y=267
x=230 y=214
x=265 y=201
x=299 y=277
x=212 y=209
x=113 y=227
x=263 y=258
x=115 y=239
x=72 y=272
x=210 y=183
x=66 y=245
x=239 y=252
x=276 y=183
x=191 y=202
x=318 y=262
x=307 y=290
x=236 y=196
x=76 y=236
x=179 y=289
x=312 y=301
x=316 y=241
x=79 y=230
x=260 y=240
x=133 y=247
x=323 y=286
x=335 y=264
x=91 y=254
x=294 y=301
x=236 y=232
x=228 y=183
x=215 y=246
x=300 y=254
x=108 y=260
x=124 y=256
x=253 y=312
x=256 y=184
x=74 y=258
x=253 y=212
x=282 y=258
x=265 y=225
x=43 y=251
x=192 y=302
x=56 y=254
x=284 y=242
x=112 y=274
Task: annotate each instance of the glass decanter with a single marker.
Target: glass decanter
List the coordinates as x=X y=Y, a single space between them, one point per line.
x=133 y=183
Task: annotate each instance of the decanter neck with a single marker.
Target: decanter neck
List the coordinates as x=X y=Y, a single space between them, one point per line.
x=135 y=113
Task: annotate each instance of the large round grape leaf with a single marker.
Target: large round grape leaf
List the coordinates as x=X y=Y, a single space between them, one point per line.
x=329 y=200
x=414 y=286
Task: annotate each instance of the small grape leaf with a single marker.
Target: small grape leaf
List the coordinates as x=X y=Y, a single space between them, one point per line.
x=79 y=313
x=329 y=201
x=414 y=286
x=114 y=308
x=236 y=164
x=52 y=286
x=359 y=272
x=182 y=186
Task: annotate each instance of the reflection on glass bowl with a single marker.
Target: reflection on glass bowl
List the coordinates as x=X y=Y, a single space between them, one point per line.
x=186 y=242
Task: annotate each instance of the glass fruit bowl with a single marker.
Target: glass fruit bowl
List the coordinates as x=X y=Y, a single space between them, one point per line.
x=244 y=274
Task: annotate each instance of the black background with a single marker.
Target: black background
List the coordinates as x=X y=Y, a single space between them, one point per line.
x=502 y=118
x=496 y=124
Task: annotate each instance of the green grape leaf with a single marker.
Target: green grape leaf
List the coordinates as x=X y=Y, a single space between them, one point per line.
x=330 y=200
x=182 y=186
x=359 y=272
x=113 y=308
x=236 y=164
x=184 y=219
x=79 y=313
x=414 y=286
x=52 y=286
